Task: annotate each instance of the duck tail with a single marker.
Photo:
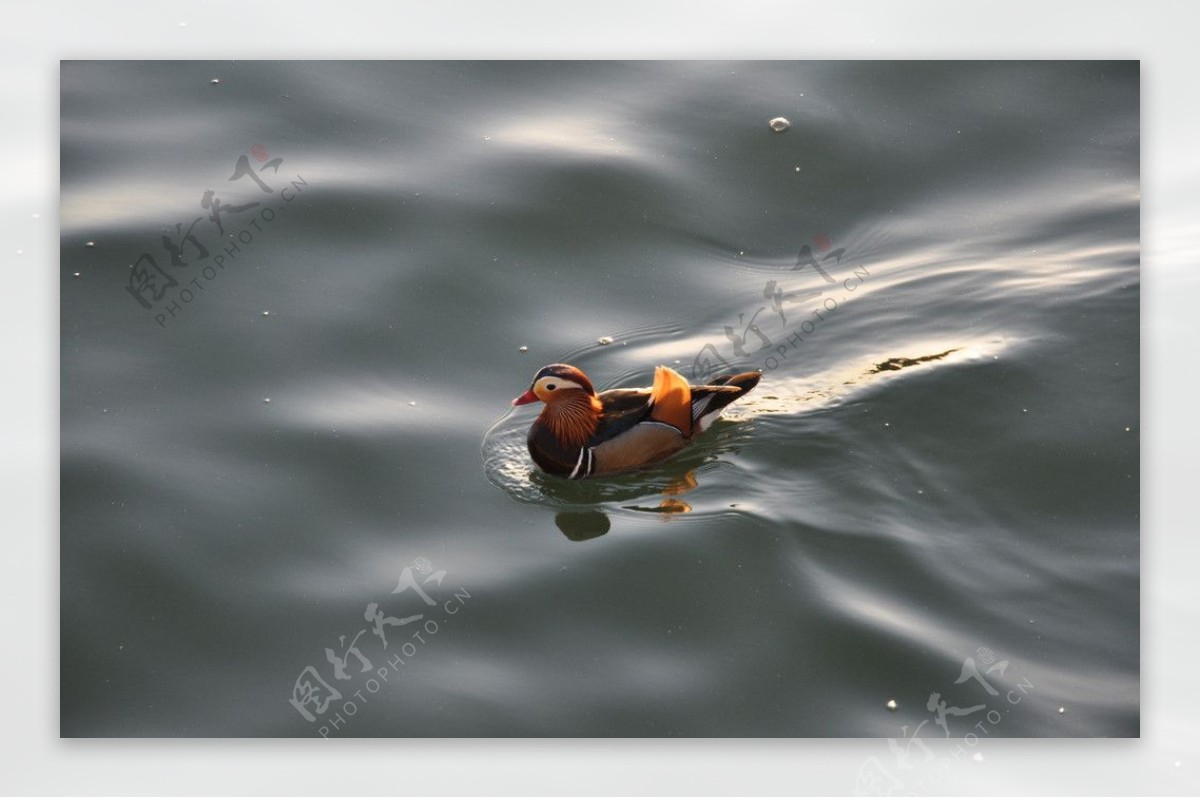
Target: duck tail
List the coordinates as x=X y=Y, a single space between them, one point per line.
x=713 y=398
x=745 y=381
x=671 y=400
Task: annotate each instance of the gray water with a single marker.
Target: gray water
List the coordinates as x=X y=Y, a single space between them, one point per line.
x=938 y=472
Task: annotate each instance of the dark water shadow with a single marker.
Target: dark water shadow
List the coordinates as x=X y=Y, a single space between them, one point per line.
x=581 y=526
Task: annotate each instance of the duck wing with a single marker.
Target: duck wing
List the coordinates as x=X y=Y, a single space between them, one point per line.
x=668 y=403
x=622 y=409
x=625 y=408
x=646 y=426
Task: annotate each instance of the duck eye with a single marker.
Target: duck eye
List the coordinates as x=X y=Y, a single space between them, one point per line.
x=551 y=387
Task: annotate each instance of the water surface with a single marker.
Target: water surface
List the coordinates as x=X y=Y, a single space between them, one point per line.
x=940 y=464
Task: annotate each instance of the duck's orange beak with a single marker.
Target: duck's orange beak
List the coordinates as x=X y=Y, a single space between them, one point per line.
x=526 y=398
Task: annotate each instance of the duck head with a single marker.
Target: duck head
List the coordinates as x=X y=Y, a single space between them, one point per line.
x=557 y=383
x=572 y=411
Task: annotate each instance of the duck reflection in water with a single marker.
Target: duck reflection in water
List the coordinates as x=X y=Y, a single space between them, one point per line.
x=580 y=525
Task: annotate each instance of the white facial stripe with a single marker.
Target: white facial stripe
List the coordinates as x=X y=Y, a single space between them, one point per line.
x=559 y=383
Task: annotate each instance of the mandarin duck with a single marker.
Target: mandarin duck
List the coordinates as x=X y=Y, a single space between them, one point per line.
x=581 y=433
